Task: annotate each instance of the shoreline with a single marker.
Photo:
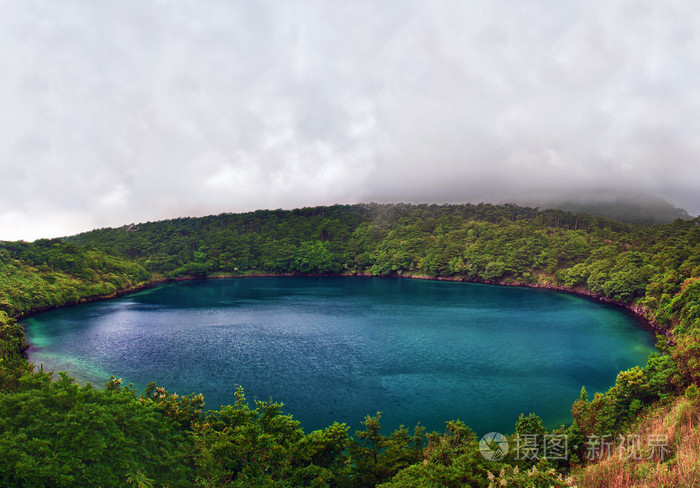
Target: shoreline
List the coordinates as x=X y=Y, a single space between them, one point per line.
x=641 y=315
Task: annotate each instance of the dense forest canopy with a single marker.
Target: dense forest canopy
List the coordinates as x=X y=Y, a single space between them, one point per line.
x=652 y=269
x=483 y=242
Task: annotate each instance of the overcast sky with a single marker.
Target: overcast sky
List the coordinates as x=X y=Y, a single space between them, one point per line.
x=114 y=112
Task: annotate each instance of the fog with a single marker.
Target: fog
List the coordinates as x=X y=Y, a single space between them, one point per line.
x=120 y=112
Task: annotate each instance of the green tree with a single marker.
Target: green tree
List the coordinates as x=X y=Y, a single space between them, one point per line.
x=376 y=457
x=449 y=460
x=56 y=433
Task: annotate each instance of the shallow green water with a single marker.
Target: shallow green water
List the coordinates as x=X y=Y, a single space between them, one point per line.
x=341 y=348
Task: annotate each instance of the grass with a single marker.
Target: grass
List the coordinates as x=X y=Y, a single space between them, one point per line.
x=668 y=453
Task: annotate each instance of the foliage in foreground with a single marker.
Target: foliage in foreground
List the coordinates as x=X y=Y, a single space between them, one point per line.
x=61 y=434
x=671 y=464
x=57 y=433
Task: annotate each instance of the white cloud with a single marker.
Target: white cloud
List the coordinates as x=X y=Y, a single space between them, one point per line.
x=114 y=112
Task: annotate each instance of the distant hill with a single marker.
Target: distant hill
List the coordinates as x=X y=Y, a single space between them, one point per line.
x=634 y=209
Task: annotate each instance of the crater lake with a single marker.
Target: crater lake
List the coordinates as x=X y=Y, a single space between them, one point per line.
x=339 y=348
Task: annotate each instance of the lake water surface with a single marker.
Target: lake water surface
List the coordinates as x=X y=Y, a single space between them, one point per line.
x=341 y=348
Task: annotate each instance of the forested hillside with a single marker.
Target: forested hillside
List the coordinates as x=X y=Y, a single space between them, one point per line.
x=647 y=265
x=49 y=273
x=654 y=270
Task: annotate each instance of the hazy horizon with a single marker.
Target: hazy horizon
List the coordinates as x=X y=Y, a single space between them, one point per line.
x=121 y=112
x=543 y=205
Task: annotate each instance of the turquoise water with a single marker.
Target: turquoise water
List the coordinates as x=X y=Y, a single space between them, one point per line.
x=341 y=348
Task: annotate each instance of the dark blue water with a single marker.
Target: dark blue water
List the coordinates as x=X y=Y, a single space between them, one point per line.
x=341 y=348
